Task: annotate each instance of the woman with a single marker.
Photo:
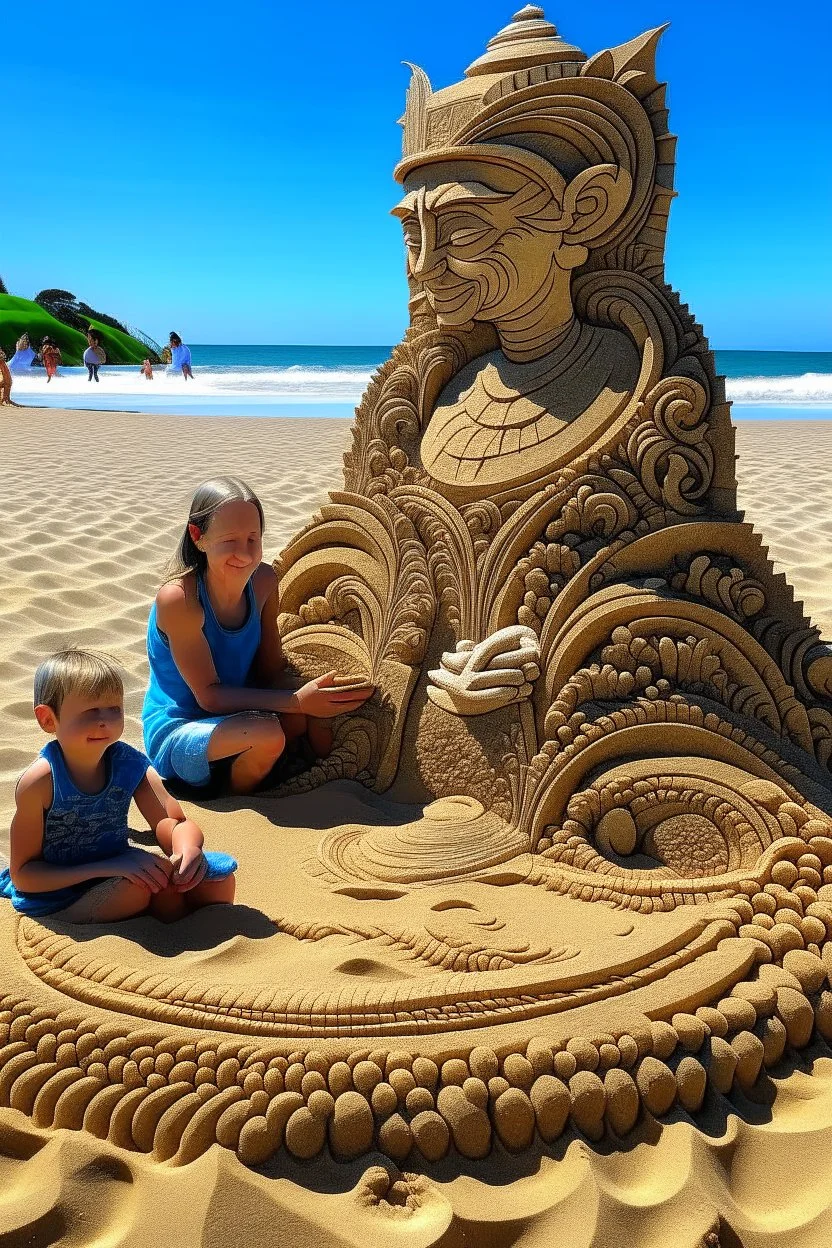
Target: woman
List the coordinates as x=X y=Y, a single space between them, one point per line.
x=180 y=357
x=217 y=691
x=23 y=356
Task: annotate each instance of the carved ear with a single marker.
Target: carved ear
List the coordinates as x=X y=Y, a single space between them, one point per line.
x=594 y=200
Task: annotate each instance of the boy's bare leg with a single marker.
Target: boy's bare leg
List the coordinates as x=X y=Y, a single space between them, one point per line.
x=167 y=905
x=107 y=902
x=211 y=893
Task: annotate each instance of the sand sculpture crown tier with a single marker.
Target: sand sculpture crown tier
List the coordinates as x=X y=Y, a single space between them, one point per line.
x=593 y=835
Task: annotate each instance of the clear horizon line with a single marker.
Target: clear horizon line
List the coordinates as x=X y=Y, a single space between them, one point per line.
x=367 y=346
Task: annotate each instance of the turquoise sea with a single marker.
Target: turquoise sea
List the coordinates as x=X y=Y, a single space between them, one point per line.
x=239 y=380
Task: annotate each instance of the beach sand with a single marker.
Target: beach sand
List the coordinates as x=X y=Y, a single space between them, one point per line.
x=92 y=506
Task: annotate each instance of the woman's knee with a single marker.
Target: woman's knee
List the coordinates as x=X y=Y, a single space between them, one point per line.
x=268 y=737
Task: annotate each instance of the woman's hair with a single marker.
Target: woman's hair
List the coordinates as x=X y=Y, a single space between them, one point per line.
x=175 y=339
x=206 y=502
x=76 y=671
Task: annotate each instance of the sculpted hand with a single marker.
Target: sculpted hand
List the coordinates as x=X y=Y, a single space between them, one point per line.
x=475 y=679
x=190 y=867
x=331 y=695
x=140 y=867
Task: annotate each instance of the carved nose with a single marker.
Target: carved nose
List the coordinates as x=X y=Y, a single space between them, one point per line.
x=429 y=263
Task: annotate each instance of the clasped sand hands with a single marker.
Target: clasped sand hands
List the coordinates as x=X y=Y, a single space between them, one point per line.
x=474 y=679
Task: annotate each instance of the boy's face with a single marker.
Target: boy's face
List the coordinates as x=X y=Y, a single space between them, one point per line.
x=85 y=725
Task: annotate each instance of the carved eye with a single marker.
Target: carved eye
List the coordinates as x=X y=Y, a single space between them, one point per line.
x=467 y=237
x=412 y=233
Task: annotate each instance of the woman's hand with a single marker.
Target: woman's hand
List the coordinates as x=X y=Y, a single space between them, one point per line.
x=331 y=695
x=140 y=867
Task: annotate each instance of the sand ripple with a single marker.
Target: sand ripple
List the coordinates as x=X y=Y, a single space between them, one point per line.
x=761 y=1183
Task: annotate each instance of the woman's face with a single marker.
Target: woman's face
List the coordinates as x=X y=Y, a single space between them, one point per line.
x=233 y=541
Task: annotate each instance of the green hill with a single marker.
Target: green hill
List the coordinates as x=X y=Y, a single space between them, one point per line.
x=18 y=316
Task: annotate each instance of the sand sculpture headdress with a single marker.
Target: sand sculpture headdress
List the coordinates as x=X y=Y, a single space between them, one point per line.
x=538 y=105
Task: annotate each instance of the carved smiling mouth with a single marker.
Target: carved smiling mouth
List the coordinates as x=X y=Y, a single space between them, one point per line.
x=450 y=296
x=395 y=1001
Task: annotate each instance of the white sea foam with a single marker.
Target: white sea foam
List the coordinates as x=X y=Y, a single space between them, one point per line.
x=297 y=383
x=258 y=387
x=791 y=391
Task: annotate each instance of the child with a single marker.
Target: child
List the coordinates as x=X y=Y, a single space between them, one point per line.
x=50 y=353
x=69 y=837
x=94 y=355
x=216 y=662
x=146 y=369
x=180 y=357
x=5 y=382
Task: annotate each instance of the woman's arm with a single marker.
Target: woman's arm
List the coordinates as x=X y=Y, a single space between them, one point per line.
x=270 y=663
x=180 y=618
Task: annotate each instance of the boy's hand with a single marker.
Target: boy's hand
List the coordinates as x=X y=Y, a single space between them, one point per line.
x=189 y=868
x=140 y=867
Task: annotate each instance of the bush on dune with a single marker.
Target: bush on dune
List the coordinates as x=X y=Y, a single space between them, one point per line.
x=18 y=316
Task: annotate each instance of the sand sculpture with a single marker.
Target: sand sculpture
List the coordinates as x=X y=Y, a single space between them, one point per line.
x=577 y=864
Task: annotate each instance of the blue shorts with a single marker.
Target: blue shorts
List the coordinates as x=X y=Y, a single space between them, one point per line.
x=184 y=754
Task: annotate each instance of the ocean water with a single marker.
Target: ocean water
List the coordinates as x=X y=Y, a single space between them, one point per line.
x=329 y=381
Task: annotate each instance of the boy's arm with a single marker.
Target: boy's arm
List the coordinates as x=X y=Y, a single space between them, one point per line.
x=178 y=836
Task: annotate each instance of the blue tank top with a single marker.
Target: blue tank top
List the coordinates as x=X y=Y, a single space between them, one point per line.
x=169 y=701
x=86 y=827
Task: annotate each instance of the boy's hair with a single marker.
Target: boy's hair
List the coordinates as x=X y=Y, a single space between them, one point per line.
x=76 y=671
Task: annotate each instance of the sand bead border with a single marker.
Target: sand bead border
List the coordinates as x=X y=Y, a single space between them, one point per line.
x=157 y=1095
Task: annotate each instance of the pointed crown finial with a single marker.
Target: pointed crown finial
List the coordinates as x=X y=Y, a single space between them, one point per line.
x=528 y=39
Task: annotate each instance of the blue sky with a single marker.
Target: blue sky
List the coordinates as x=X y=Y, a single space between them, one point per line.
x=225 y=170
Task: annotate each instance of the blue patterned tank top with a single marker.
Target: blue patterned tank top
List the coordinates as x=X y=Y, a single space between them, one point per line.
x=86 y=827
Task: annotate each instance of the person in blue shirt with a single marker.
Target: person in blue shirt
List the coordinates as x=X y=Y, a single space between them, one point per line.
x=180 y=357
x=70 y=851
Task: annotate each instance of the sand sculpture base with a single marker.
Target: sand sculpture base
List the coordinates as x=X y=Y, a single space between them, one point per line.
x=494 y=1006
x=722 y=1182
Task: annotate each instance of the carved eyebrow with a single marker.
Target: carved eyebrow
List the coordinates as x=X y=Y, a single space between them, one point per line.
x=405 y=207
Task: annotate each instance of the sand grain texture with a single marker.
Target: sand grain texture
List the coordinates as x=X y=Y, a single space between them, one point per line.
x=93 y=505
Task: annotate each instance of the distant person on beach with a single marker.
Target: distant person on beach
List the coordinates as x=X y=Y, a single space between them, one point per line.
x=50 y=354
x=94 y=355
x=70 y=853
x=5 y=382
x=180 y=357
x=23 y=357
x=218 y=686
x=146 y=369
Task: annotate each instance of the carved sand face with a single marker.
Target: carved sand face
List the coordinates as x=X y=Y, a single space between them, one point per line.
x=477 y=259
